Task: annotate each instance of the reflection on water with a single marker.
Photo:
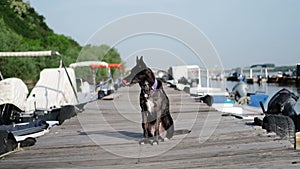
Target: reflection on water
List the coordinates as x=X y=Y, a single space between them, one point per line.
x=268 y=88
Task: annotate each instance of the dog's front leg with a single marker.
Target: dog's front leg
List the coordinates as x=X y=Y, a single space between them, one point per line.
x=156 y=132
x=145 y=140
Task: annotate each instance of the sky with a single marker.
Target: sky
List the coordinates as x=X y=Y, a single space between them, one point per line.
x=209 y=33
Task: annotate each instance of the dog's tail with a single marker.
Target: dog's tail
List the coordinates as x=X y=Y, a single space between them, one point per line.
x=180 y=132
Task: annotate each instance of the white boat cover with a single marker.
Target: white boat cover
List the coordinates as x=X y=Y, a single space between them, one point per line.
x=30 y=53
x=13 y=91
x=88 y=63
x=53 y=90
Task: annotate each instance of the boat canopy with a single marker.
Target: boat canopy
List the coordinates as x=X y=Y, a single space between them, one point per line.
x=110 y=65
x=13 y=91
x=267 y=65
x=58 y=82
x=30 y=53
x=89 y=63
x=52 y=91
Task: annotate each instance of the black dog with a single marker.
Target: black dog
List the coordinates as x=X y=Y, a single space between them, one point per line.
x=156 y=117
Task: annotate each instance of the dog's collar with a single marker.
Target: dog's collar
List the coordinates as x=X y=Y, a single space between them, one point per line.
x=154 y=86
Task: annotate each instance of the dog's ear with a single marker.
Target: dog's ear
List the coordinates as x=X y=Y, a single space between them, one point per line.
x=141 y=62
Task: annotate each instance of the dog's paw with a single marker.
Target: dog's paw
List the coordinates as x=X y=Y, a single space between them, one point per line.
x=155 y=142
x=165 y=139
x=144 y=141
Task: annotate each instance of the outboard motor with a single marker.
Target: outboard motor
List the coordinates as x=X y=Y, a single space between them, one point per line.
x=239 y=91
x=283 y=102
x=281 y=116
x=9 y=114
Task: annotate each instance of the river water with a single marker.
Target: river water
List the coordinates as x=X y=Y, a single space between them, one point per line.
x=267 y=88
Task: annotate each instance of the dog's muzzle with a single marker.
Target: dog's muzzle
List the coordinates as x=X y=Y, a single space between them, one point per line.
x=125 y=82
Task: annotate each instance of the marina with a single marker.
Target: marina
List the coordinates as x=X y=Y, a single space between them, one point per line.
x=265 y=88
x=106 y=135
x=264 y=73
x=105 y=132
x=202 y=94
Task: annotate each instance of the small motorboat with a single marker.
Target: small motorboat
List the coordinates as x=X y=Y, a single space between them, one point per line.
x=23 y=134
x=53 y=98
x=240 y=93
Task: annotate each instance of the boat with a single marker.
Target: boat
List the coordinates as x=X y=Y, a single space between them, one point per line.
x=263 y=76
x=243 y=104
x=184 y=77
x=54 y=97
x=187 y=78
x=22 y=134
x=240 y=94
x=233 y=76
x=106 y=87
x=13 y=93
x=52 y=100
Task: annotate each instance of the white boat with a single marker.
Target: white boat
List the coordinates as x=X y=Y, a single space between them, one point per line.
x=23 y=134
x=105 y=89
x=33 y=131
x=53 y=98
x=244 y=105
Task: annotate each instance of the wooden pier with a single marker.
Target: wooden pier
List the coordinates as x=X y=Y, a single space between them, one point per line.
x=106 y=135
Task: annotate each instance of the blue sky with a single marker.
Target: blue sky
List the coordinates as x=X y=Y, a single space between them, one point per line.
x=243 y=32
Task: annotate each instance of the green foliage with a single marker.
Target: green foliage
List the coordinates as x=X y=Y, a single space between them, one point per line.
x=284 y=68
x=23 y=19
x=10 y=41
x=99 y=53
x=22 y=29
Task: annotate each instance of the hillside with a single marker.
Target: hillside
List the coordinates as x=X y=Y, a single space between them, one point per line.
x=23 y=29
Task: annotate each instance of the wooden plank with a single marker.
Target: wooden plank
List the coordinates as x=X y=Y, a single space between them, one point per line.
x=106 y=135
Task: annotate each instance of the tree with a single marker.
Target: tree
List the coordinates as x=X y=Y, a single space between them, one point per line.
x=22 y=29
